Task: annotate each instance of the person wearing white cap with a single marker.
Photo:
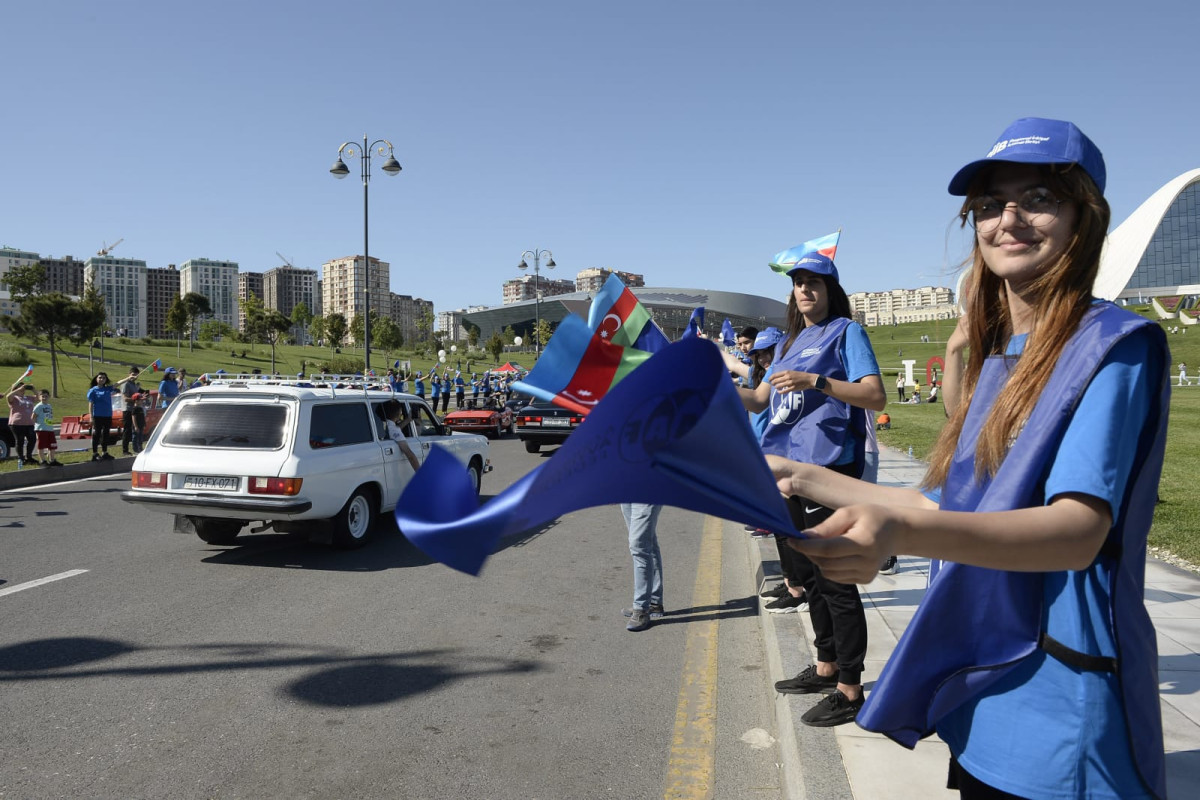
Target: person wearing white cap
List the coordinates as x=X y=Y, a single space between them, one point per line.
x=1031 y=655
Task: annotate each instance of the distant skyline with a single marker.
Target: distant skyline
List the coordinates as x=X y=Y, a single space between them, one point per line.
x=687 y=142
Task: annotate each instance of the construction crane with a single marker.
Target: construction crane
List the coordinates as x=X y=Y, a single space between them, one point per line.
x=108 y=248
x=286 y=260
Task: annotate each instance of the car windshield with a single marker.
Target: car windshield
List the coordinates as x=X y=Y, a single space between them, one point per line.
x=237 y=425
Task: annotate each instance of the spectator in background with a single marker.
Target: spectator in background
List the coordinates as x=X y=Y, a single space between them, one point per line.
x=168 y=387
x=100 y=408
x=133 y=417
x=20 y=419
x=900 y=386
x=43 y=424
x=460 y=390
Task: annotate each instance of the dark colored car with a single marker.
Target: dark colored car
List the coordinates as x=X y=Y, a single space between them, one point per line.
x=7 y=440
x=541 y=422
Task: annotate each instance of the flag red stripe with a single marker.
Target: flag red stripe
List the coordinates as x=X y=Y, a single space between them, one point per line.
x=595 y=374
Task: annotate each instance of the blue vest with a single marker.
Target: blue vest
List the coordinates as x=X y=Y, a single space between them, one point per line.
x=810 y=426
x=976 y=624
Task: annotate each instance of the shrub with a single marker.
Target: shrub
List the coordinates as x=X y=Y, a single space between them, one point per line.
x=13 y=355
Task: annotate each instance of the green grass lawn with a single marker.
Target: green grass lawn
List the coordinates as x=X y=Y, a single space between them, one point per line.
x=1176 y=521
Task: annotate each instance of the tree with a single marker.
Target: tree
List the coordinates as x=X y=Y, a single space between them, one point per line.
x=195 y=305
x=386 y=333
x=495 y=346
x=25 y=280
x=177 y=321
x=316 y=329
x=335 y=327
x=215 y=329
x=54 y=316
x=424 y=323
x=255 y=313
x=93 y=314
x=301 y=317
x=356 y=327
x=509 y=335
x=273 y=325
x=473 y=334
x=543 y=331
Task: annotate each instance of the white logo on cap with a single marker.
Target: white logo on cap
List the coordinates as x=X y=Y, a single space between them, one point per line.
x=1000 y=147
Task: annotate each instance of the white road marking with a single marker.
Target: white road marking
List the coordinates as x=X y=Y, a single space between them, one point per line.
x=49 y=579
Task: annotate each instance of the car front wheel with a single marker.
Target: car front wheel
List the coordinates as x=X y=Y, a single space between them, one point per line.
x=3 y=450
x=353 y=525
x=475 y=473
x=532 y=447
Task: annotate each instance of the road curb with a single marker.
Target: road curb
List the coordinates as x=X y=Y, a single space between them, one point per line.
x=37 y=476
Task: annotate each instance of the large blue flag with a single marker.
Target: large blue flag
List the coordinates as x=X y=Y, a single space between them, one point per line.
x=695 y=324
x=728 y=335
x=673 y=433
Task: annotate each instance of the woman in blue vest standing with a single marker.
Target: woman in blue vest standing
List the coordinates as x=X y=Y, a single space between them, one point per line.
x=1032 y=654
x=823 y=376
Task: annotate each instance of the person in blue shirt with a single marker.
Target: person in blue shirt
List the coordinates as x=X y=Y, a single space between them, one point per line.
x=1032 y=654
x=460 y=390
x=419 y=385
x=823 y=379
x=168 y=388
x=99 y=397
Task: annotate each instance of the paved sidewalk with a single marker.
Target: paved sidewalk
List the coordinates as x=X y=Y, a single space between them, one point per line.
x=878 y=769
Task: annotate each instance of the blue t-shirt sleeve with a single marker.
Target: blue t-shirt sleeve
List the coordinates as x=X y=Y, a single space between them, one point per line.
x=1098 y=448
x=857 y=354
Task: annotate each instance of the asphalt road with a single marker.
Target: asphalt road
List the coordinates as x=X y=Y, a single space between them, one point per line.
x=275 y=668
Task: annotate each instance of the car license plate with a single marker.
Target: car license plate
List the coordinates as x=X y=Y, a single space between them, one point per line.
x=560 y=422
x=220 y=483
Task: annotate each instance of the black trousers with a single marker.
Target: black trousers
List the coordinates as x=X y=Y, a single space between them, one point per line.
x=836 y=610
x=133 y=428
x=100 y=426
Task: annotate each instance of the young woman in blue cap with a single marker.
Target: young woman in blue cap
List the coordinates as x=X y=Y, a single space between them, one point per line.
x=1032 y=654
x=823 y=376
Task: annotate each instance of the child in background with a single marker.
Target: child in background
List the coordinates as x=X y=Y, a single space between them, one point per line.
x=43 y=426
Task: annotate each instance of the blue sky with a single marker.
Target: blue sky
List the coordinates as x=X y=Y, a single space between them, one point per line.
x=687 y=141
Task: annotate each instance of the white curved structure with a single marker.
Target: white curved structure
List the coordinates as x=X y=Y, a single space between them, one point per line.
x=1127 y=267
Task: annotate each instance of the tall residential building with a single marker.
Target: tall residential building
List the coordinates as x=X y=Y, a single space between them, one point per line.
x=592 y=278
x=526 y=288
x=449 y=324
x=248 y=283
x=162 y=289
x=63 y=275
x=318 y=300
x=406 y=312
x=216 y=280
x=903 y=305
x=122 y=282
x=343 y=281
x=284 y=288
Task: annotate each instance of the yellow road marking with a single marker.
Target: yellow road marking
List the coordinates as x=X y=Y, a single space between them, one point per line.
x=690 y=769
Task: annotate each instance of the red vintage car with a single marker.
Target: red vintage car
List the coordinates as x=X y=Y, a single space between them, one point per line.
x=491 y=421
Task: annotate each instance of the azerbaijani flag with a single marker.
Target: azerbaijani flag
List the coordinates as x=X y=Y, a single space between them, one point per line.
x=728 y=336
x=157 y=365
x=695 y=324
x=826 y=246
x=617 y=317
x=28 y=372
x=578 y=367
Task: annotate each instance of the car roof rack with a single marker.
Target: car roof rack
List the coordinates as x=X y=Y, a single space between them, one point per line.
x=320 y=380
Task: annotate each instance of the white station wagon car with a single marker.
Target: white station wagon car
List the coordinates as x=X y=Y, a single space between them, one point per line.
x=311 y=456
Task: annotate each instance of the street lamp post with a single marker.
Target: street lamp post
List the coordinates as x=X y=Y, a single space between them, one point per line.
x=537 y=292
x=339 y=170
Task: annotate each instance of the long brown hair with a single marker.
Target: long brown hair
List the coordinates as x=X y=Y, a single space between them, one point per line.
x=839 y=306
x=1061 y=294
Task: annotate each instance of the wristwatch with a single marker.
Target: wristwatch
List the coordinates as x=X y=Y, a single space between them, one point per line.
x=820 y=384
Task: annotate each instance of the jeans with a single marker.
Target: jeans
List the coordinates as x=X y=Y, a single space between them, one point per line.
x=642 y=522
x=871 y=467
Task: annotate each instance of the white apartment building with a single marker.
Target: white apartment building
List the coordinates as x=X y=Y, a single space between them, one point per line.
x=343 y=281
x=216 y=280
x=122 y=282
x=12 y=257
x=593 y=278
x=903 y=305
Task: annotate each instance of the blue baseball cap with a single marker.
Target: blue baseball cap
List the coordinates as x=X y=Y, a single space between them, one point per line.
x=817 y=264
x=1034 y=140
x=767 y=338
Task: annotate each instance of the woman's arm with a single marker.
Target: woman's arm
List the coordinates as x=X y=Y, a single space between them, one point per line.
x=1064 y=535
x=952 y=373
x=867 y=392
x=836 y=490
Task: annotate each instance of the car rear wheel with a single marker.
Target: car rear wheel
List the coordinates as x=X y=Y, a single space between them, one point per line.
x=217 y=531
x=353 y=525
x=532 y=447
x=3 y=450
x=496 y=434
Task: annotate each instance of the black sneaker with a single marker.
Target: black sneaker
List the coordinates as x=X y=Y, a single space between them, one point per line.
x=95 y=456
x=836 y=709
x=808 y=682
x=656 y=611
x=106 y=457
x=889 y=566
x=778 y=590
x=785 y=605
